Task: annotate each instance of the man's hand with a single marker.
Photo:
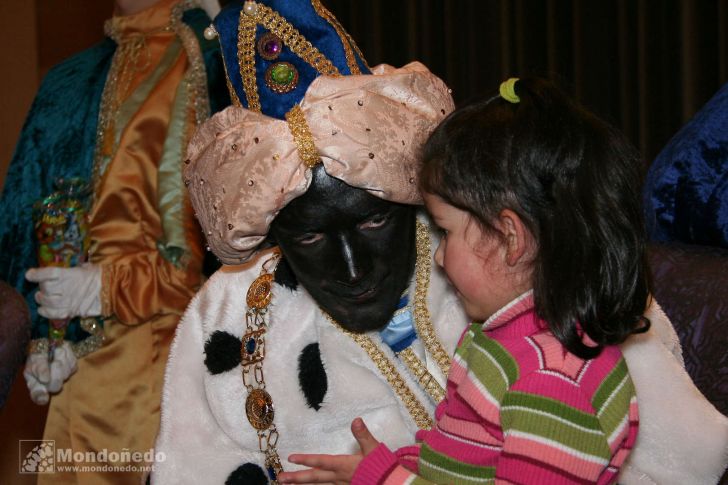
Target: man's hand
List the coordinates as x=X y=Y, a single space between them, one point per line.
x=67 y=292
x=44 y=379
x=336 y=469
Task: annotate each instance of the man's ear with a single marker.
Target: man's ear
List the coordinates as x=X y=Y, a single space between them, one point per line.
x=519 y=241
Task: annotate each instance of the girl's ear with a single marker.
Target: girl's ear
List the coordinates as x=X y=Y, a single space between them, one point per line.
x=519 y=241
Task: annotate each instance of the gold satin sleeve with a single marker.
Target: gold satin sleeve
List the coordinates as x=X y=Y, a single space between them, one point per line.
x=141 y=286
x=125 y=227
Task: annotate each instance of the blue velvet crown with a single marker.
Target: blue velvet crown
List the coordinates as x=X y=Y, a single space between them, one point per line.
x=286 y=44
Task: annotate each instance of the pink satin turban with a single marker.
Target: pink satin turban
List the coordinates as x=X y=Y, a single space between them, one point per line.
x=244 y=167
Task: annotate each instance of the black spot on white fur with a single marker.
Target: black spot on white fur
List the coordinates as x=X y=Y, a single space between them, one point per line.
x=312 y=376
x=222 y=352
x=247 y=474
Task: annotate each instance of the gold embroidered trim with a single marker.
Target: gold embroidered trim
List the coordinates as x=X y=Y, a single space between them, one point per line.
x=233 y=95
x=302 y=136
x=196 y=75
x=123 y=64
x=416 y=410
x=329 y=17
x=246 y=58
x=423 y=319
x=106 y=281
x=341 y=30
x=353 y=44
x=272 y=20
x=423 y=376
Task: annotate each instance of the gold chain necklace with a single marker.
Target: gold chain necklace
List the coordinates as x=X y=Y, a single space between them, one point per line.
x=423 y=319
x=420 y=372
x=259 y=404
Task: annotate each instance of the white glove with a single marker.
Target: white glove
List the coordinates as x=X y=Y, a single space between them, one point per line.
x=67 y=292
x=43 y=379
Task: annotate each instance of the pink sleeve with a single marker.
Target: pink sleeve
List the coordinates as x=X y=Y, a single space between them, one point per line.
x=382 y=467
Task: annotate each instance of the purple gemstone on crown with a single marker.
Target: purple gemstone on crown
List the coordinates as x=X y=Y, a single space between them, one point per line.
x=270 y=46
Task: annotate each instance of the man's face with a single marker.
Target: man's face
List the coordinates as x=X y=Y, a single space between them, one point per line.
x=353 y=252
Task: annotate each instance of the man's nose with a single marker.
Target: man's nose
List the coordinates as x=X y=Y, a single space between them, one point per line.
x=352 y=258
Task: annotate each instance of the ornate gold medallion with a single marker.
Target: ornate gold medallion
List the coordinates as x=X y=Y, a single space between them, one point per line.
x=259 y=293
x=259 y=409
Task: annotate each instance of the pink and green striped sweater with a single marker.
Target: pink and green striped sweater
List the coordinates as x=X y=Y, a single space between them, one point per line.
x=519 y=409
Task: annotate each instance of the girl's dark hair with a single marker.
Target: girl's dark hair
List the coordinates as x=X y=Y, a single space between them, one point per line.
x=575 y=182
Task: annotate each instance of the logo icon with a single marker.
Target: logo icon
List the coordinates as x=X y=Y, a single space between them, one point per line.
x=37 y=456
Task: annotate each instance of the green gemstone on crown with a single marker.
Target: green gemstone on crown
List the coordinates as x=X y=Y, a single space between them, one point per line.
x=283 y=74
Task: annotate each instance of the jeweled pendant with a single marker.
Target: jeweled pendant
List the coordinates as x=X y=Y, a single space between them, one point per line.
x=281 y=77
x=250 y=346
x=259 y=293
x=259 y=409
x=252 y=349
x=269 y=46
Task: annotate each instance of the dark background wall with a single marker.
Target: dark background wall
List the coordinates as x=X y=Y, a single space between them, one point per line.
x=645 y=65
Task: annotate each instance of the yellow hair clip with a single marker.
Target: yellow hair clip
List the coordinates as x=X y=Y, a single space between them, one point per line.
x=508 y=90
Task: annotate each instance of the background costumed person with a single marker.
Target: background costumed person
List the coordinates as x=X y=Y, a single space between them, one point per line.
x=686 y=192
x=118 y=115
x=279 y=352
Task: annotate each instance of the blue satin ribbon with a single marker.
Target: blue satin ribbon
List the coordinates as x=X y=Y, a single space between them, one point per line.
x=400 y=331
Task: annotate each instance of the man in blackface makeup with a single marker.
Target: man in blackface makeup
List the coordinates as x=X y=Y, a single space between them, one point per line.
x=346 y=316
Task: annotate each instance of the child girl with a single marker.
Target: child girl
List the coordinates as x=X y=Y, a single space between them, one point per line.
x=539 y=205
